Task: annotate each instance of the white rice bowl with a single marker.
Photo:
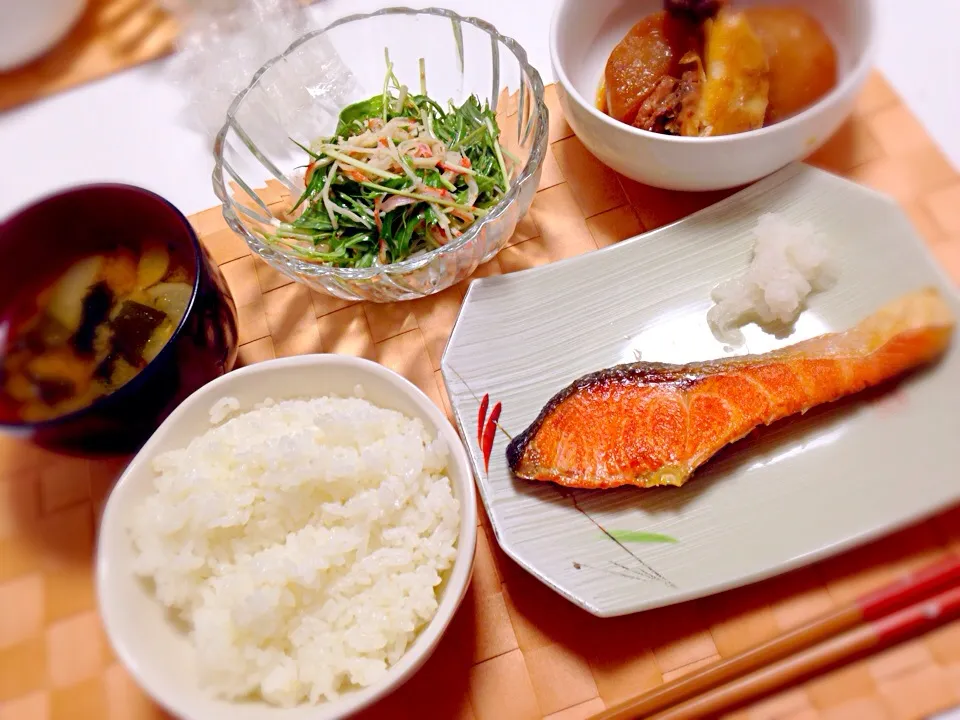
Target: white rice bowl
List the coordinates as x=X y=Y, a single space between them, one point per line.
x=303 y=543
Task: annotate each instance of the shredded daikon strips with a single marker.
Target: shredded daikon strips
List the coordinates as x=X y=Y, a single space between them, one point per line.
x=401 y=176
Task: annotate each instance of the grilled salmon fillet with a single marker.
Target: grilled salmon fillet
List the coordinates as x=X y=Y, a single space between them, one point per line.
x=650 y=424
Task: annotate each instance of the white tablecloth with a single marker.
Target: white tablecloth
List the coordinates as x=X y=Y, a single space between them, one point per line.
x=129 y=127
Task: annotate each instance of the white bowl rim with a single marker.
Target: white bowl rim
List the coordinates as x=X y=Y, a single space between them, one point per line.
x=426 y=640
x=852 y=79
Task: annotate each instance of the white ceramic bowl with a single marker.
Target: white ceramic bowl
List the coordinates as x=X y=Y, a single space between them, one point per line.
x=581 y=38
x=31 y=27
x=159 y=656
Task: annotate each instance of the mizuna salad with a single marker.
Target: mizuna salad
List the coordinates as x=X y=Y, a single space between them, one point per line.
x=400 y=176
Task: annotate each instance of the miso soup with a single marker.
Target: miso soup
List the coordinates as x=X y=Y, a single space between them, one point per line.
x=91 y=330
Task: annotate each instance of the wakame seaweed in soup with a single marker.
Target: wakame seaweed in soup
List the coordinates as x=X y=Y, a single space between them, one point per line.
x=91 y=330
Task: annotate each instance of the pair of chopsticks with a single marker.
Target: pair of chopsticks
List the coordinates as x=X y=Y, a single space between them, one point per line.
x=912 y=605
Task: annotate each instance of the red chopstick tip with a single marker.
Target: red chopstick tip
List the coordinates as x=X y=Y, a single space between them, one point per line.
x=910 y=587
x=912 y=619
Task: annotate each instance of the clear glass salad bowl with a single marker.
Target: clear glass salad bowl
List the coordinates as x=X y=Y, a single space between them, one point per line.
x=297 y=97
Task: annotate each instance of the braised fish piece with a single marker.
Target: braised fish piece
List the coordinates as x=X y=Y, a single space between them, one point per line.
x=736 y=90
x=650 y=424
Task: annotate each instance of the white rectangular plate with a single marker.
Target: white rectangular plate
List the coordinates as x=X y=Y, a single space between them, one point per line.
x=798 y=491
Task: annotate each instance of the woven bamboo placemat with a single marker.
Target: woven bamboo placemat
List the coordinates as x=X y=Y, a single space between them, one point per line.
x=515 y=649
x=111 y=36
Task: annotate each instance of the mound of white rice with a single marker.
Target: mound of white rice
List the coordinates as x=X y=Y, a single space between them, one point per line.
x=302 y=542
x=789 y=263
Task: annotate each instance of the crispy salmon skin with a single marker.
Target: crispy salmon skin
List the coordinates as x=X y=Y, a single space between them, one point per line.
x=650 y=424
